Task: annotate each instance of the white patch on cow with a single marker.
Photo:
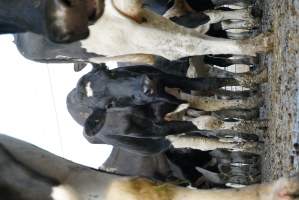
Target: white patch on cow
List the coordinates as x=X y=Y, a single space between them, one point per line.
x=108 y=169
x=64 y=192
x=88 y=89
x=235 y=185
x=61 y=57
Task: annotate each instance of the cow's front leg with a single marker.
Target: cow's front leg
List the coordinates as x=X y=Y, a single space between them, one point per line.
x=261 y=43
x=208 y=144
x=207 y=122
x=246 y=79
x=213 y=104
x=242 y=14
x=239 y=24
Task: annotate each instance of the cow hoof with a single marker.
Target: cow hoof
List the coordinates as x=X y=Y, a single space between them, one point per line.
x=261 y=43
x=286 y=188
x=251 y=80
x=249 y=147
x=264 y=42
x=245 y=79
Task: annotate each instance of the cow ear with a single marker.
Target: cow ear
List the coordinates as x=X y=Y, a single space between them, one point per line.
x=93 y=126
x=79 y=66
x=99 y=67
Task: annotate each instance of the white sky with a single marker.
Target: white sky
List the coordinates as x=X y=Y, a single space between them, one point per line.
x=33 y=108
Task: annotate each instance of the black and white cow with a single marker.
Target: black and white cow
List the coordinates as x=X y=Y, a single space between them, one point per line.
x=118 y=36
x=61 y=21
x=30 y=173
x=135 y=98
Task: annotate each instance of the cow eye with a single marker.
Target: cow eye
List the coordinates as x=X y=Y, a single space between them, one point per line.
x=110 y=105
x=148 y=90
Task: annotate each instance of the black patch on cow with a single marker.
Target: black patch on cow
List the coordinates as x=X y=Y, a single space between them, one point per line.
x=217 y=31
x=191 y=20
x=18 y=181
x=39 y=48
x=200 y=5
x=158 y=6
x=187 y=160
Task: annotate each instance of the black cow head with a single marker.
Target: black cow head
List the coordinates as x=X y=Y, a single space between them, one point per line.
x=104 y=88
x=61 y=21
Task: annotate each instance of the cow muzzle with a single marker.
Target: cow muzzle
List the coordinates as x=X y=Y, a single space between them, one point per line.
x=67 y=20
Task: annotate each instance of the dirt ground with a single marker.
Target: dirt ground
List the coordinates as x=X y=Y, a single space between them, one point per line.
x=281 y=92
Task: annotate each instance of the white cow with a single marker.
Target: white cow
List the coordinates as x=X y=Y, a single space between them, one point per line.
x=30 y=173
x=127 y=30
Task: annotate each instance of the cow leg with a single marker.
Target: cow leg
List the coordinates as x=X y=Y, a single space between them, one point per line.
x=240 y=24
x=225 y=62
x=250 y=79
x=227 y=94
x=132 y=58
x=208 y=144
x=212 y=104
x=207 y=122
x=200 y=84
x=218 y=3
x=245 y=114
x=239 y=34
x=247 y=79
x=219 y=15
x=239 y=114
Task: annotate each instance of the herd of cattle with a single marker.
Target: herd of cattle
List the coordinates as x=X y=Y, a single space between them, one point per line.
x=165 y=109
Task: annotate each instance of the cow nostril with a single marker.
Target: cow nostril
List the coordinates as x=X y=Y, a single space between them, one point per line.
x=66 y=38
x=67 y=3
x=71 y=37
x=92 y=17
